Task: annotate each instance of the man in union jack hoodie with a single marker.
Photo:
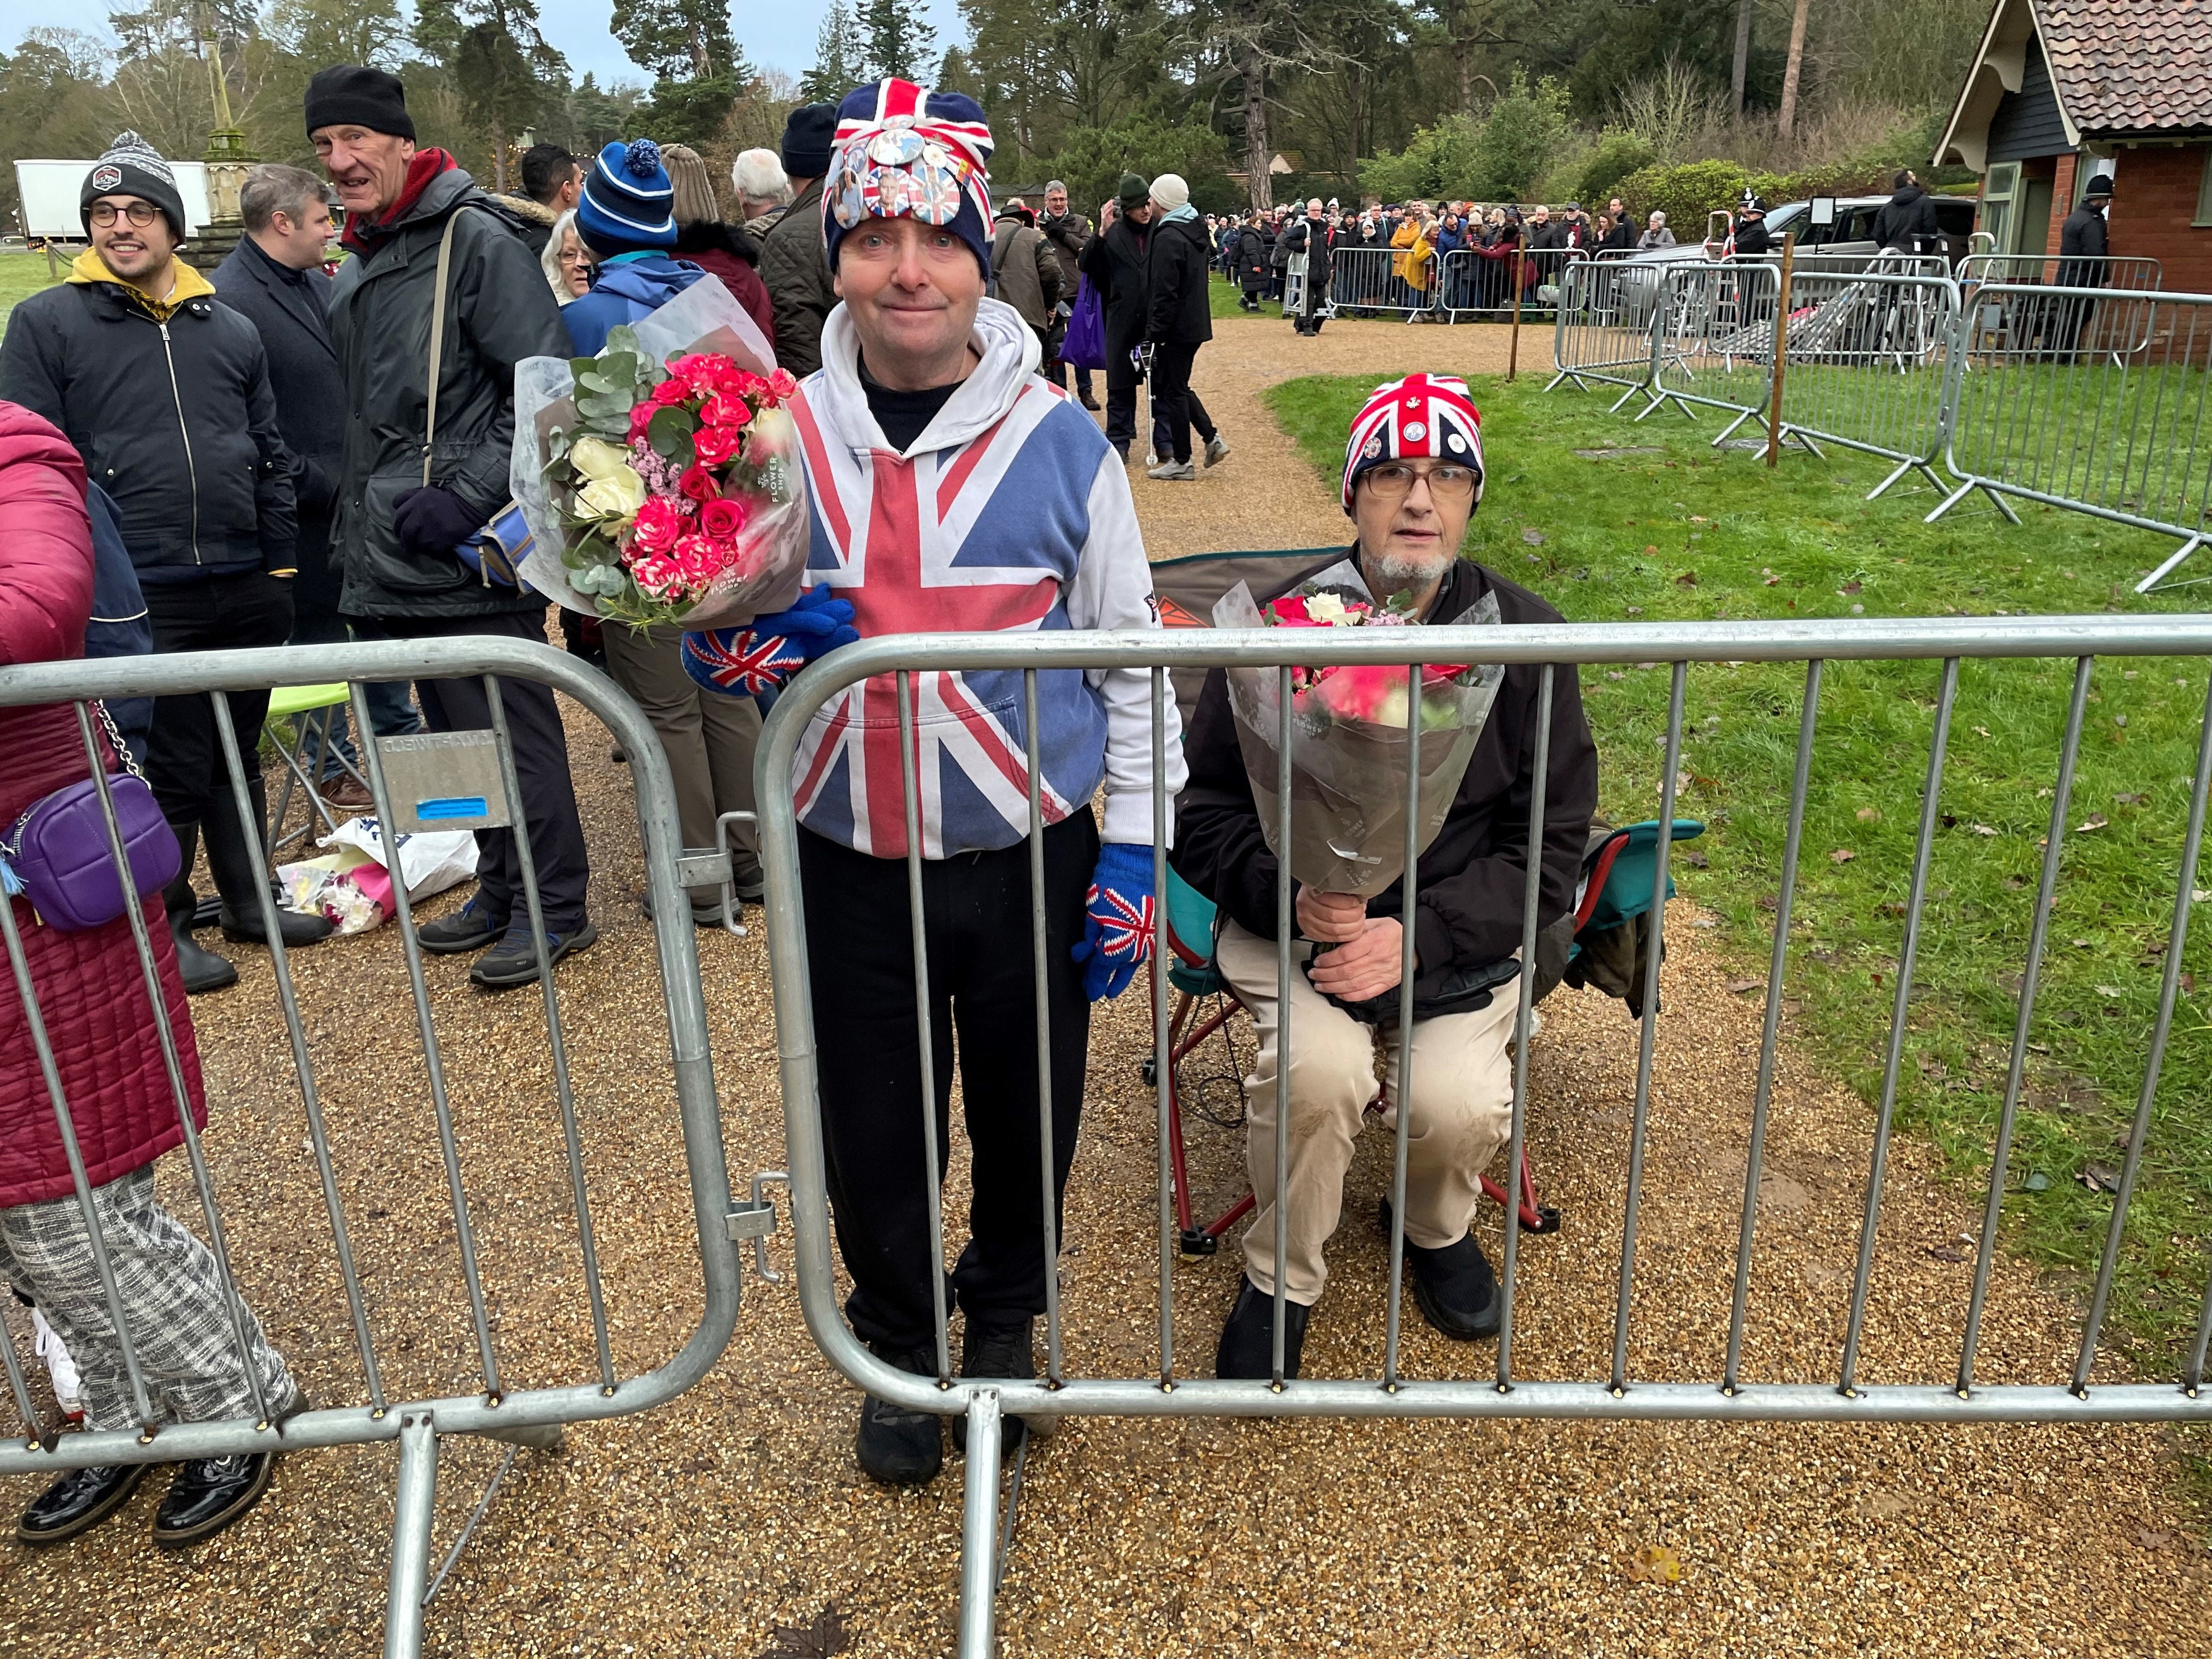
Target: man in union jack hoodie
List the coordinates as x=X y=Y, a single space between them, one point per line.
x=953 y=490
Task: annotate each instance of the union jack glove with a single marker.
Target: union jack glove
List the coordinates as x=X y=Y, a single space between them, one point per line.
x=746 y=662
x=1117 y=924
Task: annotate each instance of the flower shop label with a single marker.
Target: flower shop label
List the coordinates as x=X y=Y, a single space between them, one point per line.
x=444 y=781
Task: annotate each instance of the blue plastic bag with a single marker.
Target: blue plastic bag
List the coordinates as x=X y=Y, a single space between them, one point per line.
x=1086 y=345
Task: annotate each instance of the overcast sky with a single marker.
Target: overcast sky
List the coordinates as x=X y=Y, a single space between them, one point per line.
x=777 y=37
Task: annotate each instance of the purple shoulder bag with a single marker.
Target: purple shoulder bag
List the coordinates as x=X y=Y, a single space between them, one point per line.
x=56 y=855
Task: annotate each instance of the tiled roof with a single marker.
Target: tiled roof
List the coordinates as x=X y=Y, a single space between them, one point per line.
x=2130 y=66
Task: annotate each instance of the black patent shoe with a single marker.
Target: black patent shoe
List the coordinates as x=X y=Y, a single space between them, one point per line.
x=208 y=1494
x=988 y=1351
x=78 y=1501
x=1456 y=1290
x=896 y=1445
x=1248 y=1340
x=297 y=930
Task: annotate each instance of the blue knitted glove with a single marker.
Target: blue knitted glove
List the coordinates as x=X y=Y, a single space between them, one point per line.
x=1117 y=924
x=744 y=662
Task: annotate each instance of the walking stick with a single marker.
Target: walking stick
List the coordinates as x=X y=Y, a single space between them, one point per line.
x=1781 y=351
x=1513 y=345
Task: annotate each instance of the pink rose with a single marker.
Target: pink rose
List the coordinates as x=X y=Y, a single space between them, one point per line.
x=699 y=484
x=714 y=445
x=722 y=410
x=657 y=526
x=640 y=417
x=781 y=383
x=722 y=519
x=671 y=391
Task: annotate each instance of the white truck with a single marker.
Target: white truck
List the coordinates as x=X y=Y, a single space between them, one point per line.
x=50 y=192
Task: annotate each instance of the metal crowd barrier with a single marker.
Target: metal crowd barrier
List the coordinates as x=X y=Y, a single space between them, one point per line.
x=456 y=781
x=2087 y=398
x=2131 y=273
x=1169 y=1388
x=1866 y=368
x=1713 y=342
x=1366 y=279
x=1294 y=284
x=1602 y=334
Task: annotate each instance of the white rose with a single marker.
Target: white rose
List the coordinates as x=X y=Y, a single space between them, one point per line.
x=617 y=496
x=1325 y=608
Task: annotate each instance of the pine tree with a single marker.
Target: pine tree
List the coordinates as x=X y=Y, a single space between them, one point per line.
x=678 y=39
x=500 y=58
x=900 y=40
x=839 y=58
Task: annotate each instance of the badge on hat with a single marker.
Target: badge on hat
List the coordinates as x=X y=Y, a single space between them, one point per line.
x=107 y=178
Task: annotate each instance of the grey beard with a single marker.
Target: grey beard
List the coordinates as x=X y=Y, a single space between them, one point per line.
x=1392 y=570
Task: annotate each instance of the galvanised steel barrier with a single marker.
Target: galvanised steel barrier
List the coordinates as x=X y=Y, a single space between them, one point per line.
x=1713 y=340
x=1866 y=361
x=1169 y=1389
x=444 y=781
x=1603 y=333
x=2128 y=272
x=1367 y=279
x=1294 y=284
x=2093 y=399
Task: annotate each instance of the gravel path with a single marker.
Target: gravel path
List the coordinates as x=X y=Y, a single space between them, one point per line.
x=734 y=1523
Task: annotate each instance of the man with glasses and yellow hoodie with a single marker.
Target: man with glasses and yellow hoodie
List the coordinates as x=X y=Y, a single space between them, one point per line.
x=165 y=393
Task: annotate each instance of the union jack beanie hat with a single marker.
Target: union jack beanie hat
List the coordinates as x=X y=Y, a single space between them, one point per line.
x=907 y=152
x=1431 y=415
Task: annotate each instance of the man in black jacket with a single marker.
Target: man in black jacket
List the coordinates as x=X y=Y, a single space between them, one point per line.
x=395 y=533
x=1114 y=262
x=165 y=394
x=1068 y=233
x=1312 y=237
x=2084 y=254
x=1412 y=475
x=1179 y=320
x=1749 y=232
x=274 y=278
x=1906 y=222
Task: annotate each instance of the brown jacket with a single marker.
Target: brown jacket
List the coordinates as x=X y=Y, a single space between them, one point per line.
x=796 y=268
x=1028 y=274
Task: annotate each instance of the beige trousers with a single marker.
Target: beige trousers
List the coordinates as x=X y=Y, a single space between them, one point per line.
x=1462 y=1112
x=709 y=737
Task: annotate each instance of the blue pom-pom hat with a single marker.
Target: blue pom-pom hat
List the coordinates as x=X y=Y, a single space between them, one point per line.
x=628 y=203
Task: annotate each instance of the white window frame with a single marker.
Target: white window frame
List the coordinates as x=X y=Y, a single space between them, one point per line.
x=2000 y=194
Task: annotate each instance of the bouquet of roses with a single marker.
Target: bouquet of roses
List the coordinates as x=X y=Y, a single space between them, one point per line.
x=664 y=485
x=1347 y=774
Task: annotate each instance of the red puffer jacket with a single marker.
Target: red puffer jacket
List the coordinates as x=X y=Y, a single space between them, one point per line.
x=92 y=991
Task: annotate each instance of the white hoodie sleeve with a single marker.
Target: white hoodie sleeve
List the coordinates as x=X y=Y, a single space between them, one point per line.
x=1113 y=588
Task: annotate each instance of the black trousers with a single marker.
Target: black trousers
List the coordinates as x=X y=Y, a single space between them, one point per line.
x=540 y=763
x=859 y=950
x=1176 y=407
x=186 y=765
x=1121 y=401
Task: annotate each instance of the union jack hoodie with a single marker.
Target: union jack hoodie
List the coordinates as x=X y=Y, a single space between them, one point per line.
x=1009 y=512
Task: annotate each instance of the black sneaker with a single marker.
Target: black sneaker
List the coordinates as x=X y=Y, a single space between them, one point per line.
x=1456 y=1290
x=513 y=960
x=1248 y=1340
x=895 y=1445
x=469 y=928
x=209 y=1494
x=997 y=1351
x=78 y=1501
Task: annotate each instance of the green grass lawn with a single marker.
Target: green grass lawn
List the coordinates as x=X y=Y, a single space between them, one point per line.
x=1648 y=522
x=22 y=274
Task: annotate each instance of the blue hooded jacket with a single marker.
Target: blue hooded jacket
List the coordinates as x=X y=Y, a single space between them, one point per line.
x=628 y=287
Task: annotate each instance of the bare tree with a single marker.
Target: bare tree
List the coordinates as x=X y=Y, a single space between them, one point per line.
x=1788 y=118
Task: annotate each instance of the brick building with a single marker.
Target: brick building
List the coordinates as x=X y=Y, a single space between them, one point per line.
x=2061 y=90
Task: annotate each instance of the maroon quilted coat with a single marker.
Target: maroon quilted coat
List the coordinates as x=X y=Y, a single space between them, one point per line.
x=92 y=991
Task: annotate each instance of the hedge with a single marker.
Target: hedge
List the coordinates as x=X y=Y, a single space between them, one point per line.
x=1686 y=193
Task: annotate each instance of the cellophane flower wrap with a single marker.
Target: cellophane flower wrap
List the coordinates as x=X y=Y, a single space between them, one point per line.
x=1348 y=745
x=661 y=478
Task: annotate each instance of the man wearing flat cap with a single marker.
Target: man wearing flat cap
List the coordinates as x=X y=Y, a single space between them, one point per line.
x=416 y=221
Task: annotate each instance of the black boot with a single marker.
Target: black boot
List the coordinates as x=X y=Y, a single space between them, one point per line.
x=78 y=1501
x=1000 y=1352
x=201 y=970
x=1247 y=1339
x=209 y=1493
x=238 y=877
x=1456 y=1290
x=896 y=1445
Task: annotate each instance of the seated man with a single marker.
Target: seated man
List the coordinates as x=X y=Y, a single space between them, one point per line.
x=1412 y=474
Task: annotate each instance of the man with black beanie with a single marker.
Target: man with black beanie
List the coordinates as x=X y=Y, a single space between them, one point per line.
x=1114 y=262
x=414 y=221
x=791 y=262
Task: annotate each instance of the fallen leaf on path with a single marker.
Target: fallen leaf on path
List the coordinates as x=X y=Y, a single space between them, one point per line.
x=1738 y=987
x=1656 y=1564
x=1842 y=855
x=2100 y=1177
x=1984 y=829
x=1945 y=1252
x=1688 y=579
x=2094 y=821
x=1533 y=536
x=2132 y=799
x=1851 y=587
x=1870 y=814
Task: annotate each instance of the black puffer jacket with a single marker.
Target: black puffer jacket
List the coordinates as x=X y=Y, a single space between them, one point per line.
x=1250 y=253
x=1907 y=222
x=1178 y=307
x=500 y=311
x=1114 y=262
x=175 y=420
x=1468 y=913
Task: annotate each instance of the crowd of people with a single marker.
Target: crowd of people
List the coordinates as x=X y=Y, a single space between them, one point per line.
x=287 y=454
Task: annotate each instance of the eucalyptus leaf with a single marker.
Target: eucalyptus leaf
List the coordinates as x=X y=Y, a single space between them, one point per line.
x=580 y=367
x=619 y=368
x=621 y=337
x=669 y=431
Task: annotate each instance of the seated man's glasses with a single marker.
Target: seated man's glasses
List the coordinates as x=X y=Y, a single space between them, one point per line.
x=140 y=214
x=1393 y=480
